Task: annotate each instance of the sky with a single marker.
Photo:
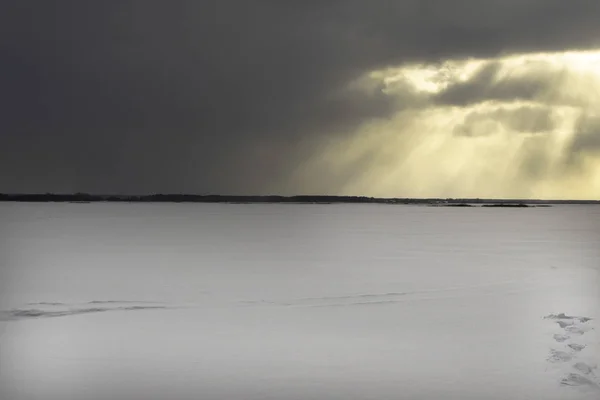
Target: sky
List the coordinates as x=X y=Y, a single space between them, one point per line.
x=402 y=98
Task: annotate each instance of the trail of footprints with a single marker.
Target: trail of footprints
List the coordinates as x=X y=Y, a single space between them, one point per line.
x=572 y=329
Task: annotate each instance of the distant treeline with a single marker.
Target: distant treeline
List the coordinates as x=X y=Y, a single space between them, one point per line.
x=192 y=198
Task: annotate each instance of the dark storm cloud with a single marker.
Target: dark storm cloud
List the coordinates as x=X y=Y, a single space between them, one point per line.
x=215 y=96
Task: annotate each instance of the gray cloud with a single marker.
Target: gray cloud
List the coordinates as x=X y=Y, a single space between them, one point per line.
x=530 y=119
x=587 y=139
x=219 y=96
x=486 y=85
x=535 y=160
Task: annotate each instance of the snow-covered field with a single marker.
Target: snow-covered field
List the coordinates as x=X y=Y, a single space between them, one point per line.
x=200 y=301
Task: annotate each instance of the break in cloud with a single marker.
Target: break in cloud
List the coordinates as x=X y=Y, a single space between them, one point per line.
x=512 y=126
x=387 y=98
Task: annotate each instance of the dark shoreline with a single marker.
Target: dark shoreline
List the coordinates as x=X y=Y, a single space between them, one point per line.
x=303 y=199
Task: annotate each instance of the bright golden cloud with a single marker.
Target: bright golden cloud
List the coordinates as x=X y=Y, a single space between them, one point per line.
x=520 y=126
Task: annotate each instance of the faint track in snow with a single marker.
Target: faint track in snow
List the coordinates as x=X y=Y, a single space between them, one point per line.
x=360 y=299
x=56 y=309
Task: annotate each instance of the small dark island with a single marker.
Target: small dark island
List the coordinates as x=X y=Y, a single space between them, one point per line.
x=518 y=205
x=458 y=205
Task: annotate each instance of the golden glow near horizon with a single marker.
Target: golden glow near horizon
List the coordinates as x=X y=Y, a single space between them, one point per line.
x=520 y=126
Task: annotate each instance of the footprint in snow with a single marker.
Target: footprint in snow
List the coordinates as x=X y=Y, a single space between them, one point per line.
x=559 y=356
x=561 y=338
x=578 y=380
x=578 y=330
x=583 y=368
x=565 y=324
x=576 y=347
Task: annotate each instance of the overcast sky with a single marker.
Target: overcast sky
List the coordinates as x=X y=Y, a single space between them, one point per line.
x=276 y=96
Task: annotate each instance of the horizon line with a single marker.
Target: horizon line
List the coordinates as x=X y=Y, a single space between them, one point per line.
x=108 y=197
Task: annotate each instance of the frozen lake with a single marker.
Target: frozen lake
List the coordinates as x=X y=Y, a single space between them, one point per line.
x=282 y=301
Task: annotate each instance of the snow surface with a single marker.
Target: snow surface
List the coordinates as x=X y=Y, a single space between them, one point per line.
x=201 y=301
